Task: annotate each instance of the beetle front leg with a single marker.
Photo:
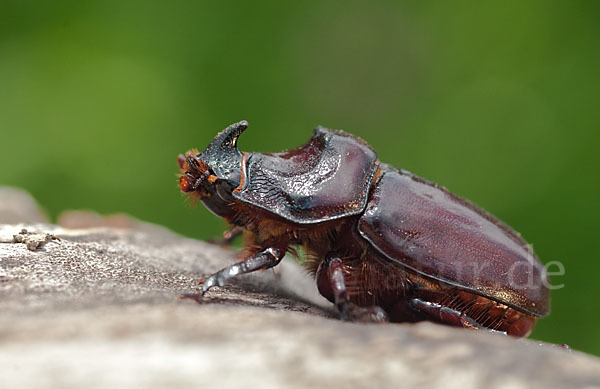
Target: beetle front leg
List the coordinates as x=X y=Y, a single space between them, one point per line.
x=264 y=259
x=333 y=268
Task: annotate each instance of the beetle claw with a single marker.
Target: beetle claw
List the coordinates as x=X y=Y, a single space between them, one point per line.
x=197 y=297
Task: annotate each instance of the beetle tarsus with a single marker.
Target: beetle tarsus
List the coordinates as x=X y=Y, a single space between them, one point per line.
x=197 y=297
x=348 y=310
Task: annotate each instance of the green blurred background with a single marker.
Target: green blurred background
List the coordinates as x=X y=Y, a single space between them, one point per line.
x=496 y=101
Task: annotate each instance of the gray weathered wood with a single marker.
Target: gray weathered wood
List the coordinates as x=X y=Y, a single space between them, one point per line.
x=100 y=309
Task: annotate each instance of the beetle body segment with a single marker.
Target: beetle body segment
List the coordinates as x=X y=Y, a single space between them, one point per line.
x=382 y=243
x=327 y=178
x=435 y=233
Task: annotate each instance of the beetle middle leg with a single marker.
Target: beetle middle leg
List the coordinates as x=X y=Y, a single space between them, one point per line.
x=264 y=259
x=333 y=273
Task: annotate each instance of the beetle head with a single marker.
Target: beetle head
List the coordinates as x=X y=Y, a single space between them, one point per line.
x=217 y=166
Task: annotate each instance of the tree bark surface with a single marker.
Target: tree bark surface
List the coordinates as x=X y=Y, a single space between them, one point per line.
x=98 y=307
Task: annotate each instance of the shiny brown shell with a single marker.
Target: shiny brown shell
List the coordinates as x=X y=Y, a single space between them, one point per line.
x=425 y=228
x=327 y=178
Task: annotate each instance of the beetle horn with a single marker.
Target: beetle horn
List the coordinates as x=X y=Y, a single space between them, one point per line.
x=222 y=154
x=227 y=139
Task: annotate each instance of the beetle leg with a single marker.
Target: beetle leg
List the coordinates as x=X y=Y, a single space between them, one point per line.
x=446 y=315
x=348 y=310
x=228 y=237
x=264 y=259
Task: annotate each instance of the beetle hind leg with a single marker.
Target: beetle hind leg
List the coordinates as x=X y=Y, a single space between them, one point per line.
x=332 y=285
x=443 y=314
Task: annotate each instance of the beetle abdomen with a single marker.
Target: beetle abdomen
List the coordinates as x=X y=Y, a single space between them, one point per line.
x=374 y=281
x=327 y=178
x=427 y=229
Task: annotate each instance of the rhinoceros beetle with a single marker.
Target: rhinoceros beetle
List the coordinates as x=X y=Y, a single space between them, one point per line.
x=382 y=243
